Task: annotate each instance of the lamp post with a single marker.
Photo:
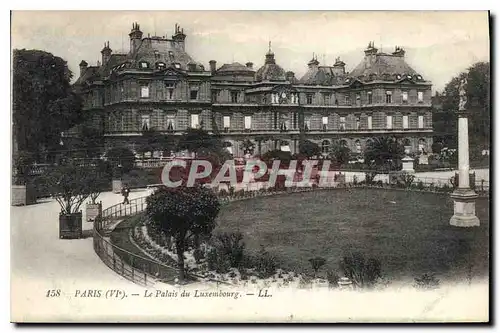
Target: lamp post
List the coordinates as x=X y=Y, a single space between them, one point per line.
x=464 y=198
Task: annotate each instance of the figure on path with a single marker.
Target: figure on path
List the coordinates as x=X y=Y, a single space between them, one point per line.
x=125 y=193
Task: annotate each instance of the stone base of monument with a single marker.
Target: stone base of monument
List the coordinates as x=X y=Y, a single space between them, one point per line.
x=116 y=185
x=464 y=208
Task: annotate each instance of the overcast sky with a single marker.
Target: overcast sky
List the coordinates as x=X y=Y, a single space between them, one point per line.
x=439 y=44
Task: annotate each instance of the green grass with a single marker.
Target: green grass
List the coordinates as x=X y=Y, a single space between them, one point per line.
x=410 y=237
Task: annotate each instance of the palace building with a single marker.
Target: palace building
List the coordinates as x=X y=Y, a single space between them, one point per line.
x=158 y=86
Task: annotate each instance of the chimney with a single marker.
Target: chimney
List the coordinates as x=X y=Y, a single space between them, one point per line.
x=339 y=66
x=249 y=65
x=399 y=52
x=213 y=66
x=371 y=49
x=83 y=67
x=179 y=37
x=135 y=37
x=313 y=63
x=106 y=53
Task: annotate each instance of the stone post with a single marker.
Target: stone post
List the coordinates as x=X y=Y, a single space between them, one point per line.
x=464 y=197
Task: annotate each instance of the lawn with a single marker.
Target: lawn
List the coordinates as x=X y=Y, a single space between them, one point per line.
x=408 y=232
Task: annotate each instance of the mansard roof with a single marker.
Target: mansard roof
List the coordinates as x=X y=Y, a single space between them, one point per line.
x=157 y=49
x=322 y=75
x=382 y=66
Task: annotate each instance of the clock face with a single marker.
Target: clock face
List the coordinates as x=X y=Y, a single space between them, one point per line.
x=283 y=94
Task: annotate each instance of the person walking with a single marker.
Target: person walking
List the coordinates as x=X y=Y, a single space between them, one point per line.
x=125 y=193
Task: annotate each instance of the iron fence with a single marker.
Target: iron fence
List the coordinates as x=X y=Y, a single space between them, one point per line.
x=147 y=271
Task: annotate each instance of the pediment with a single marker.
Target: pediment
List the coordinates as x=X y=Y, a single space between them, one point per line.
x=355 y=83
x=171 y=72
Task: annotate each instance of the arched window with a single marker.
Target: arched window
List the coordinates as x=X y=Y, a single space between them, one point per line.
x=325 y=146
x=357 y=145
x=143 y=65
x=343 y=143
x=160 y=65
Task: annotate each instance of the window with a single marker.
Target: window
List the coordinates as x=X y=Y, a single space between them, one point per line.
x=248 y=122
x=145 y=122
x=370 y=97
x=195 y=120
x=420 y=96
x=357 y=146
x=177 y=65
x=144 y=91
x=421 y=146
x=347 y=100
x=193 y=95
x=358 y=99
x=234 y=97
x=307 y=124
x=326 y=98
x=170 y=122
x=388 y=97
x=295 y=117
x=404 y=96
x=159 y=94
x=157 y=54
x=369 y=122
x=227 y=121
x=309 y=98
x=389 y=122
x=325 y=146
x=324 y=121
x=160 y=65
x=215 y=94
x=170 y=90
x=358 y=123
x=405 y=121
x=171 y=55
x=420 y=121
x=342 y=123
x=143 y=65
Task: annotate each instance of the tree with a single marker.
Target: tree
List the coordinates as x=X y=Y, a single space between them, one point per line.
x=309 y=148
x=122 y=158
x=203 y=144
x=154 y=140
x=42 y=100
x=89 y=142
x=99 y=179
x=478 y=105
x=340 y=152
x=384 y=153
x=181 y=213
x=248 y=147
x=70 y=184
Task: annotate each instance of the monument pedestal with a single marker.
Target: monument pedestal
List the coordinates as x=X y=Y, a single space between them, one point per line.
x=464 y=208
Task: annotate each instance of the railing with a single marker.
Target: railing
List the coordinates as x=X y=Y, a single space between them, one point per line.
x=147 y=271
x=137 y=268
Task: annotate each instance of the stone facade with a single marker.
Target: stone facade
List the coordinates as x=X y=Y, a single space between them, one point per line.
x=157 y=85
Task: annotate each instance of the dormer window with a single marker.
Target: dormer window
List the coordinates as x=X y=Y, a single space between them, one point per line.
x=143 y=65
x=177 y=65
x=171 y=54
x=398 y=77
x=157 y=54
x=160 y=65
x=419 y=77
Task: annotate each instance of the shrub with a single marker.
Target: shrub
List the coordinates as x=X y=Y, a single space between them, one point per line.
x=121 y=156
x=223 y=193
x=266 y=263
x=407 y=179
x=362 y=272
x=420 y=185
x=217 y=262
x=231 y=245
x=317 y=263
x=426 y=281
x=333 y=279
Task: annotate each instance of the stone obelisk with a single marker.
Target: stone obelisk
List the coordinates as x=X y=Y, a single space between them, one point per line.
x=464 y=197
